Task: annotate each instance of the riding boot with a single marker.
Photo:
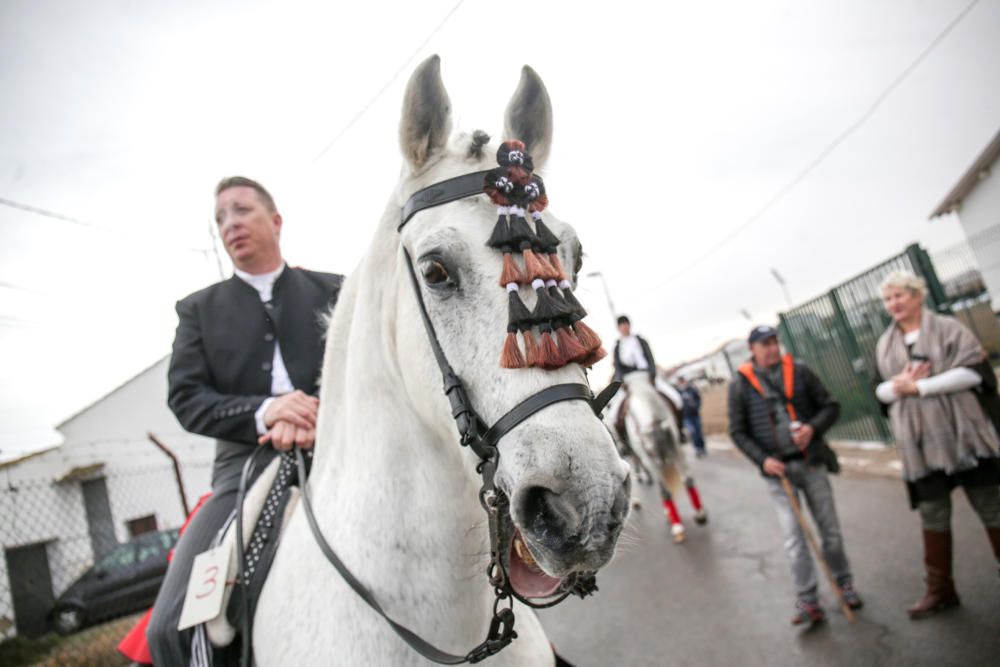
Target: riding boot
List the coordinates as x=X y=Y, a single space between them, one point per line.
x=994 y=534
x=940 y=594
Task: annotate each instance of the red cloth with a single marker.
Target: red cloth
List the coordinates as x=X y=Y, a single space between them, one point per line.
x=134 y=646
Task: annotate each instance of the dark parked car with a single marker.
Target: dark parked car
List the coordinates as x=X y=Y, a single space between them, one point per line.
x=125 y=580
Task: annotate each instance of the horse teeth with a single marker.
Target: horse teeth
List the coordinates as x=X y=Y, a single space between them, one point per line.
x=522 y=552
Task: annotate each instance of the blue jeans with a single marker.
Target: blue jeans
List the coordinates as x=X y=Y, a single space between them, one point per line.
x=813 y=483
x=693 y=426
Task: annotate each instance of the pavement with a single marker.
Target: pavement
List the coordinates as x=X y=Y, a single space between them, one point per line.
x=725 y=597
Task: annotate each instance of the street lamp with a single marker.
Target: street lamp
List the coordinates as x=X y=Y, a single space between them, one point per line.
x=784 y=287
x=607 y=293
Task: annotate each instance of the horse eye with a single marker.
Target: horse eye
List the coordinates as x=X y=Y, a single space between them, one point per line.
x=435 y=273
x=578 y=264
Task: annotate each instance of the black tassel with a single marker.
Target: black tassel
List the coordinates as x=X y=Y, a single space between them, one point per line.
x=546 y=309
x=517 y=312
x=579 y=312
x=521 y=236
x=565 y=310
x=546 y=238
x=501 y=234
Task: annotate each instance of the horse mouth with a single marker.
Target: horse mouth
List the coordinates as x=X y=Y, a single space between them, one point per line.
x=526 y=576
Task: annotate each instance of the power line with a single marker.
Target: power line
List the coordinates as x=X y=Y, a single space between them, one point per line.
x=839 y=139
x=333 y=142
x=52 y=215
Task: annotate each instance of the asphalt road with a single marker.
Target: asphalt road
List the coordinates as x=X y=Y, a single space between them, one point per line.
x=725 y=596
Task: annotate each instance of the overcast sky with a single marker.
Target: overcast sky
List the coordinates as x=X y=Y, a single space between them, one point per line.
x=686 y=118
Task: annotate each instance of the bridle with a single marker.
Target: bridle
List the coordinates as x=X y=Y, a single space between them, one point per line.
x=483 y=440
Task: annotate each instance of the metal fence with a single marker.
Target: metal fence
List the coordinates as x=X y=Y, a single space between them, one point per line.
x=84 y=553
x=836 y=333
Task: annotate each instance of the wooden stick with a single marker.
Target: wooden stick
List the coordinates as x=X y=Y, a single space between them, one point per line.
x=815 y=547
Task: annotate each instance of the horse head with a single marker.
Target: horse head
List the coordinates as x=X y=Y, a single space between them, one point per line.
x=565 y=489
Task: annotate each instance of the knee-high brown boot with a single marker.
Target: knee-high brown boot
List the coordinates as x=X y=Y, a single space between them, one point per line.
x=940 y=594
x=994 y=534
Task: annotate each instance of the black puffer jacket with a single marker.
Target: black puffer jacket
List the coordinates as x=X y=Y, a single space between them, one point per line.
x=750 y=424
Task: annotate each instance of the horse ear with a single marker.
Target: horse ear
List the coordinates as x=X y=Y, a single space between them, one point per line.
x=426 y=122
x=529 y=116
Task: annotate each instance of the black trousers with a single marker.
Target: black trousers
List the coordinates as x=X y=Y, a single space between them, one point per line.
x=168 y=646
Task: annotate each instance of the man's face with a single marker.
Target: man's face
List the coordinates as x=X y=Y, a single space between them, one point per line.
x=767 y=352
x=249 y=231
x=625 y=329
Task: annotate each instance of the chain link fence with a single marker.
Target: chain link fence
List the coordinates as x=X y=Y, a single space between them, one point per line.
x=836 y=333
x=84 y=552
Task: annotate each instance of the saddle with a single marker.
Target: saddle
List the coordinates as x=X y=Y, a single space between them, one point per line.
x=266 y=507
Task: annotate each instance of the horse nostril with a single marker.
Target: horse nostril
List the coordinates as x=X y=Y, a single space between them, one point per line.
x=613 y=526
x=546 y=515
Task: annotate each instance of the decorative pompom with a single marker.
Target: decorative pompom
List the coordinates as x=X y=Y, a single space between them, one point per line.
x=511 y=356
x=557 y=297
x=587 y=336
x=498 y=186
x=515 y=160
x=569 y=345
x=531 y=352
x=510 y=272
x=534 y=195
x=517 y=312
x=533 y=268
x=550 y=357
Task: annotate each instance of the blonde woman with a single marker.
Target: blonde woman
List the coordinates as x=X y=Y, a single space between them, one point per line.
x=936 y=376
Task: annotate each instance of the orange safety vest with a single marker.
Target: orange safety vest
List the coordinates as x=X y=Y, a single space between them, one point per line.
x=787 y=374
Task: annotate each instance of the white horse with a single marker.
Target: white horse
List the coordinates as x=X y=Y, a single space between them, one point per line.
x=393 y=491
x=655 y=440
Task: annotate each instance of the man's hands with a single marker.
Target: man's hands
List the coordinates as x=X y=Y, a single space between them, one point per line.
x=803 y=435
x=291 y=420
x=773 y=467
x=905 y=384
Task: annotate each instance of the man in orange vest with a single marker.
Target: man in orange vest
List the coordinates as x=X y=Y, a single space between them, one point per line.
x=778 y=413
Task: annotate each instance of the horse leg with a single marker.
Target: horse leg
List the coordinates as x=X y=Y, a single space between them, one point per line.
x=700 y=514
x=670 y=508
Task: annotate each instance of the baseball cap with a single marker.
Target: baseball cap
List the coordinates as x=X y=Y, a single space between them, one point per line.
x=762 y=332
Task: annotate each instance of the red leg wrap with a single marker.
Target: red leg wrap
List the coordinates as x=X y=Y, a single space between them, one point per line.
x=672 y=514
x=695 y=497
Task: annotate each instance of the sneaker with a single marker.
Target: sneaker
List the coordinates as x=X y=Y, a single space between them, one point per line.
x=809 y=613
x=851 y=597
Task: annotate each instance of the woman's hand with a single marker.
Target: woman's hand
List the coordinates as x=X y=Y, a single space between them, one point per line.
x=905 y=384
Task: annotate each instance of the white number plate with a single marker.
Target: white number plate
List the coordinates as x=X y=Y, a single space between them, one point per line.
x=203 y=600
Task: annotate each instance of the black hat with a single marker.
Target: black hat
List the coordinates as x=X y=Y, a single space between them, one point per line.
x=763 y=332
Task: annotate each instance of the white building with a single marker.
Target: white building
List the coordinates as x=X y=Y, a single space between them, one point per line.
x=62 y=507
x=976 y=201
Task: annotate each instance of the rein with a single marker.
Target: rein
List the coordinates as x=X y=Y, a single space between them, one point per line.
x=483 y=440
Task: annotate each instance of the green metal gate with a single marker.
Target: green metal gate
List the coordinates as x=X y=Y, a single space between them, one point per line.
x=835 y=335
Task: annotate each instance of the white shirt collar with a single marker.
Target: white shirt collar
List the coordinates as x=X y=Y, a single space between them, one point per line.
x=262 y=282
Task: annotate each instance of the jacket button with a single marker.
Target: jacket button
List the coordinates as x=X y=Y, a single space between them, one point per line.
x=268 y=305
x=266 y=366
x=269 y=336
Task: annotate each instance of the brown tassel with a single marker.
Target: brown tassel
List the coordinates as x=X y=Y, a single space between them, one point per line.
x=570 y=346
x=531 y=352
x=511 y=356
x=548 y=271
x=550 y=357
x=594 y=357
x=532 y=267
x=510 y=273
x=557 y=265
x=588 y=337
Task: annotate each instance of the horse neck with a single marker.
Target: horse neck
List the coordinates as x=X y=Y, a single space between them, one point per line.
x=398 y=495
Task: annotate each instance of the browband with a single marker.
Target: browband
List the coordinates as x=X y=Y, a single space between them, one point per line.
x=442 y=192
